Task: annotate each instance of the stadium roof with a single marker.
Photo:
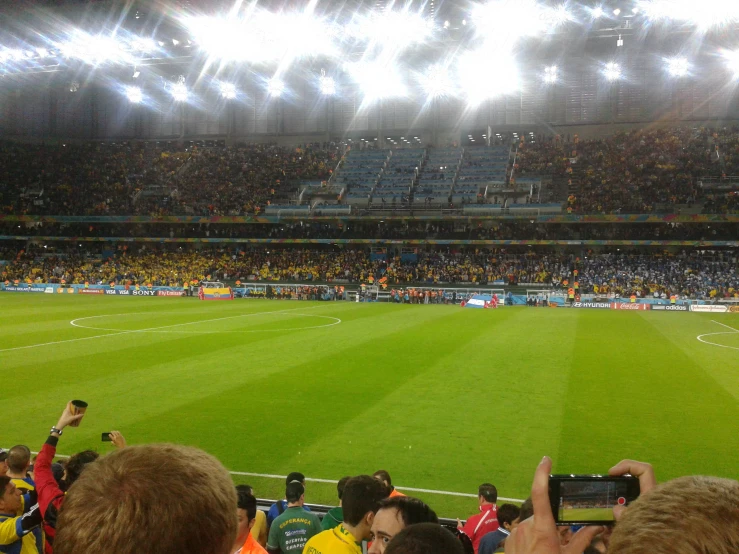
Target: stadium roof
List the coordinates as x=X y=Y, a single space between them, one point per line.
x=489 y=46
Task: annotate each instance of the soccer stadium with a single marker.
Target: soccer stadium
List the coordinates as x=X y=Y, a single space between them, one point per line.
x=316 y=277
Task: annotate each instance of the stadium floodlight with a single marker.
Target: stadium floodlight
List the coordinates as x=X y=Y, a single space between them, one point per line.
x=732 y=61
x=617 y=12
x=436 y=82
x=326 y=85
x=612 y=71
x=42 y=52
x=597 y=12
x=399 y=28
x=377 y=80
x=134 y=95
x=550 y=74
x=718 y=13
x=179 y=91
x=275 y=86
x=228 y=91
x=483 y=75
x=678 y=67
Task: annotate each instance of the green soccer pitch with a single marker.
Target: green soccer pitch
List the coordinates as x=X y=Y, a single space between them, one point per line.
x=586 y=514
x=444 y=398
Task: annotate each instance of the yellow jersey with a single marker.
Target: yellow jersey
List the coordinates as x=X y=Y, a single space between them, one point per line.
x=334 y=541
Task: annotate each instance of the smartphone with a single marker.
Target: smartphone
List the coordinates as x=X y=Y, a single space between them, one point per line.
x=589 y=499
x=105 y=437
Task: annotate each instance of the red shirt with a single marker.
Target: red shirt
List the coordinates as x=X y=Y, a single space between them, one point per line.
x=50 y=496
x=479 y=525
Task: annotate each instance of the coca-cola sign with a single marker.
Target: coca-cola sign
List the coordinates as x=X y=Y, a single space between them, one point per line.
x=628 y=306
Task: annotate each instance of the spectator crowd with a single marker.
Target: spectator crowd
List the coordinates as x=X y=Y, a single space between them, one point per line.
x=637 y=171
x=169 y=499
x=138 y=179
x=688 y=274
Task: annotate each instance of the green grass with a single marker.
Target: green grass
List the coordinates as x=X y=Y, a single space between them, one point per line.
x=586 y=514
x=444 y=398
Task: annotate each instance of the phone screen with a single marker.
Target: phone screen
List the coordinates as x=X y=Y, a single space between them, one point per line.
x=582 y=499
x=105 y=437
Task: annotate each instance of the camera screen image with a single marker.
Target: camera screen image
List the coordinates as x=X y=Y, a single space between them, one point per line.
x=590 y=500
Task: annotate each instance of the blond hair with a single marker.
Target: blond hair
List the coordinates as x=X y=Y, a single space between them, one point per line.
x=159 y=498
x=689 y=515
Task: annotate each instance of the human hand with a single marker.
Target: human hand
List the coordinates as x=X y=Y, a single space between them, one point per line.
x=118 y=440
x=642 y=470
x=459 y=524
x=538 y=534
x=67 y=418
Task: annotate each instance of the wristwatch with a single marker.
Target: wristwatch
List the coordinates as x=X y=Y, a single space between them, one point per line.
x=55 y=430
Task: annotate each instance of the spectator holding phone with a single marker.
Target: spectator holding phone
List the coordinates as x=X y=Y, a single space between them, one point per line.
x=539 y=534
x=51 y=494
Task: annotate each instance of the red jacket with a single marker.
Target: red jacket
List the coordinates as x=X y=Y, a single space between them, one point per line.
x=479 y=525
x=50 y=496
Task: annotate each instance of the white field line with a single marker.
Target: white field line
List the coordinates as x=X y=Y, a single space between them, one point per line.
x=334 y=481
x=733 y=331
x=159 y=329
x=137 y=330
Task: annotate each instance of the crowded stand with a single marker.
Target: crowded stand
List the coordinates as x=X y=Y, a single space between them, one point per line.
x=638 y=171
x=116 y=503
x=628 y=172
x=410 y=230
x=138 y=178
x=696 y=275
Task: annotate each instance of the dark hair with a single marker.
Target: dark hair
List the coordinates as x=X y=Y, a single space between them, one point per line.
x=295 y=476
x=3 y=455
x=76 y=464
x=245 y=500
x=383 y=475
x=488 y=492
x=341 y=484
x=18 y=458
x=527 y=510
x=293 y=491
x=424 y=538
x=247 y=488
x=362 y=494
x=4 y=480
x=411 y=510
x=507 y=513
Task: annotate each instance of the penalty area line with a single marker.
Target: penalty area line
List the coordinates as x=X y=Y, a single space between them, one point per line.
x=334 y=481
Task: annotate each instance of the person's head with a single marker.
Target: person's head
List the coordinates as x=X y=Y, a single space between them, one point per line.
x=295 y=476
x=295 y=493
x=424 y=538
x=384 y=477
x=161 y=498
x=487 y=493
x=507 y=514
x=246 y=511
x=340 y=486
x=524 y=513
x=360 y=501
x=394 y=515
x=10 y=501
x=688 y=515
x=19 y=458
x=75 y=465
x=3 y=464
